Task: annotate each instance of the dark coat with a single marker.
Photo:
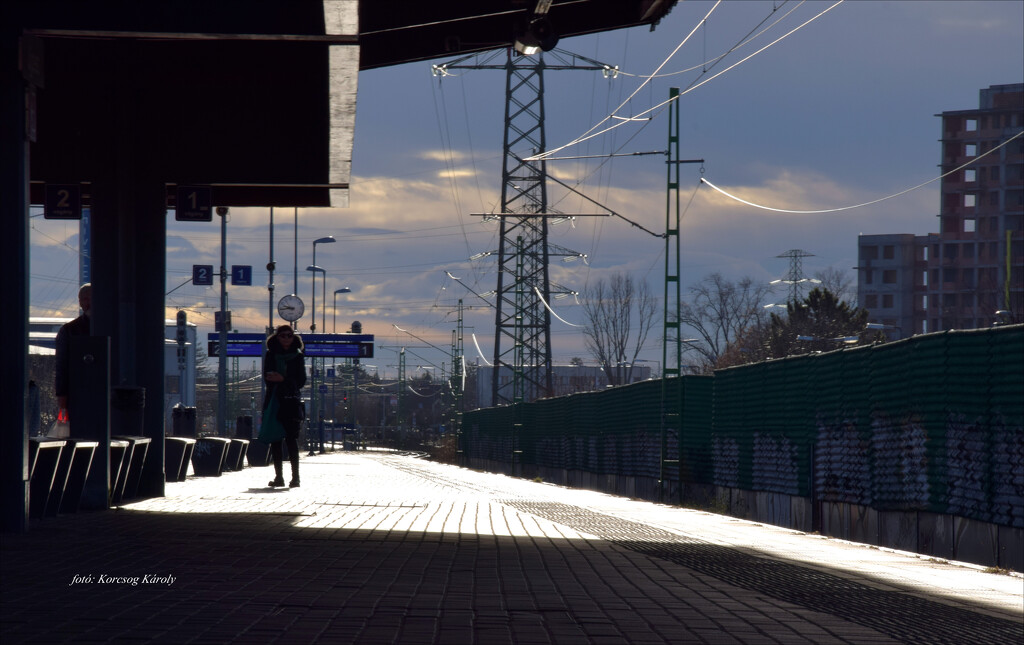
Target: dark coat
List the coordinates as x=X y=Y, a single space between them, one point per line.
x=77 y=327
x=287 y=391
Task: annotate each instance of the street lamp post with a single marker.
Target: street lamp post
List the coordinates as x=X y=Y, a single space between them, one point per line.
x=314 y=394
x=323 y=240
x=334 y=386
x=336 y=292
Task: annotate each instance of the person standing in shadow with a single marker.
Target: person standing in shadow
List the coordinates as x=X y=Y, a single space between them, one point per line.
x=284 y=370
x=78 y=327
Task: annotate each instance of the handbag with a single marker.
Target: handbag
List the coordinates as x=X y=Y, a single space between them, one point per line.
x=271 y=429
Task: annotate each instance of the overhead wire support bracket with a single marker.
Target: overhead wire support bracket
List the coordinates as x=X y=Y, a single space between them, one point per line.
x=618 y=154
x=597 y=203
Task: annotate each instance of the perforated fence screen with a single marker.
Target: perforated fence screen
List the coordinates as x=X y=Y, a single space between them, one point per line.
x=931 y=423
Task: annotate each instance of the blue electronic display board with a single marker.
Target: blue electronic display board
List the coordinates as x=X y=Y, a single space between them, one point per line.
x=319 y=345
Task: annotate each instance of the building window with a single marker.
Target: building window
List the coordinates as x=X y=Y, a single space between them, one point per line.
x=887 y=301
x=889 y=276
x=949 y=252
x=971 y=149
x=968 y=228
x=888 y=251
x=869 y=252
x=871 y=302
x=924 y=326
x=868 y=276
x=969 y=248
x=993 y=198
x=970 y=200
x=967 y=276
x=971 y=125
x=949 y=275
x=993 y=173
x=970 y=175
x=924 y=277
x=924 y=302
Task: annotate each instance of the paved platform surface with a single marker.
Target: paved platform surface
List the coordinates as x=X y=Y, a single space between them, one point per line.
x=390 y=548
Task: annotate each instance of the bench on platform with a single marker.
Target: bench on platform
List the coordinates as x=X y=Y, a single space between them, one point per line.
x=258 y=454
x=138 y=449
x=209 y=456
x=43 y=458
x=72 y=473
x=235 y=459
x=177 y=457
x=119 y=461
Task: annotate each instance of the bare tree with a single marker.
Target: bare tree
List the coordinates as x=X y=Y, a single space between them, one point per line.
x=719 y=312
x=620 y=315
x=839 y=282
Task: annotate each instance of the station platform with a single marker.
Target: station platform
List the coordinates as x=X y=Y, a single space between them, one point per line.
x=386 y=547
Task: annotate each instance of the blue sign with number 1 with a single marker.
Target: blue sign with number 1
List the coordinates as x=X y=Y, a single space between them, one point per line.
x=241 y=275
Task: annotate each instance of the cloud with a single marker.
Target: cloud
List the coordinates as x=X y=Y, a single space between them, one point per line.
x=447 y=155
x=456 y=174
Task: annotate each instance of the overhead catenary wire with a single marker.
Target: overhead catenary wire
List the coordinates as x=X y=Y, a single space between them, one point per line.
x=874 y=201
x=537 y=291
x=585 y=137
x=591 y=134
x=746 y=40
x=478 y=351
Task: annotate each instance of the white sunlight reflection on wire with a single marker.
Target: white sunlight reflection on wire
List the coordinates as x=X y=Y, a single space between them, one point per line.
x=874 y=201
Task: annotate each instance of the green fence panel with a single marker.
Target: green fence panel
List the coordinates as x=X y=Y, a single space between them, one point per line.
x=934 y=422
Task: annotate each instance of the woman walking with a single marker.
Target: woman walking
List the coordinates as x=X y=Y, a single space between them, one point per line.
x=284 y=370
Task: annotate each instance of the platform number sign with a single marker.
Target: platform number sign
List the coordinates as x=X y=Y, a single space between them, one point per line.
x=202 y=274
x=241 y=275
x=63 y=201
x=193 y=204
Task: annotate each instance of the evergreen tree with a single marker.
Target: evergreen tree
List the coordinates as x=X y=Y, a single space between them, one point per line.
x=821 y=322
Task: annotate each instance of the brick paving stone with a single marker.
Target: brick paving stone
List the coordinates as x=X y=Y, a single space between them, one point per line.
x=382 y=547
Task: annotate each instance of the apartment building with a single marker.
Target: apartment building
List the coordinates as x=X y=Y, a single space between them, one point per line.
x=960 y=277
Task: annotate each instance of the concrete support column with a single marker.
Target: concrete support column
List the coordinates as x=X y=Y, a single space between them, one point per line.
x=14 y=255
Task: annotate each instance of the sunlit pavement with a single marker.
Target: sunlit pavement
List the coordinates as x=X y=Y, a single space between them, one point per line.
x=382 y=547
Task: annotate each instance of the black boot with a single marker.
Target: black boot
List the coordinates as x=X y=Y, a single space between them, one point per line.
x=294 y=483
x=275 y=453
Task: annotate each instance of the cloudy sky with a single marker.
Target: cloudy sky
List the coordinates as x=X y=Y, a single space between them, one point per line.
x=839 y=112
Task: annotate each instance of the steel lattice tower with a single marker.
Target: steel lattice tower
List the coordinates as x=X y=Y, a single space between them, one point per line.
x=522 y=334
x=522 y=324
x=795 y=278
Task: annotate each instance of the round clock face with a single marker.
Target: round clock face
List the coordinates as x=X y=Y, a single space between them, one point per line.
x=290 y=307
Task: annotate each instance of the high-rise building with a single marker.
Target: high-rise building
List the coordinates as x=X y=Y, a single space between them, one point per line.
x=971 y=273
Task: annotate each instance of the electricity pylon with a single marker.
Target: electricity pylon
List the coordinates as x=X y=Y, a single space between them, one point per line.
x=522 y=334
x=795 y=277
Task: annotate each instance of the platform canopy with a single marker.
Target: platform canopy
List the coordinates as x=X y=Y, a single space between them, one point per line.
x=257 y=98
